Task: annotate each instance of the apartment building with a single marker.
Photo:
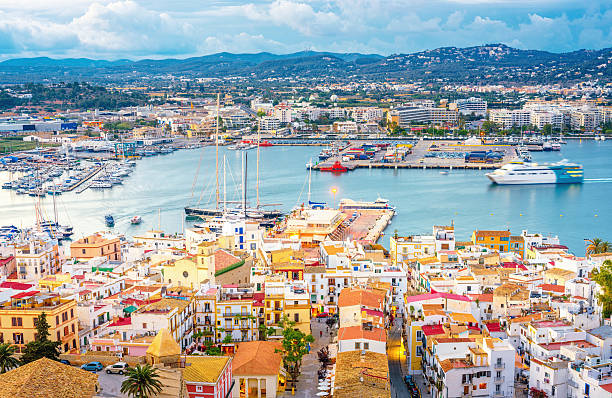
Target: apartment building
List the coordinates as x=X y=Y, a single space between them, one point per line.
x=174 y=314
x=18 y=318
x=36 y=258
x=237 y=314
x=96 y=245
x=268 y=124
x=508 y=118
x=472 y=105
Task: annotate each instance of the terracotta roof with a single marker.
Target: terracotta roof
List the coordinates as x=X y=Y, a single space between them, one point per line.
x=257 y=358
x=204 y=369
x=47 y=378
x=358 y=296
x=452 y=363
x=224 y=259
x=552 y=288
x=358 y=332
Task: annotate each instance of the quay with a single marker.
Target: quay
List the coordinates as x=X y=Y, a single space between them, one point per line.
x=421 y=155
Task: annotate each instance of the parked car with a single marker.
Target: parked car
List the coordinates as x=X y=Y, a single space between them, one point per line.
x=65 y=362
x=119 y=367
x=92 y=366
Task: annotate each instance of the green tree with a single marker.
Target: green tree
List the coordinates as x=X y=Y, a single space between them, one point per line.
x=41 y=347
x=141 y=382
x=7 y=359
x=603 y=277
x=261 y=113
x=294 y=344
x=547 y=129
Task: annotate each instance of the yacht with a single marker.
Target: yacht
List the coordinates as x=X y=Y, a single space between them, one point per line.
x=109 y=220
x=515 y=173
x=136 y=220
x=378 y=204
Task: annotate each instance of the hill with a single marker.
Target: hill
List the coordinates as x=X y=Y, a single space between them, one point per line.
x=492 y=63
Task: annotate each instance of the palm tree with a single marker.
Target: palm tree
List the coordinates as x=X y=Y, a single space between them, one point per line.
x=141 y=382
x=7 y=360
x=597 y=246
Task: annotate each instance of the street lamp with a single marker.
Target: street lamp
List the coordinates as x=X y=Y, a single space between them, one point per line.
x=334 y=191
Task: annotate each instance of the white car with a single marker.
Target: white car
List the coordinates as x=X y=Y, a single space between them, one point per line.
x=119 y=367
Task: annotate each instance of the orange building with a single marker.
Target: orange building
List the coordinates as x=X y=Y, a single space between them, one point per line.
x=496 y=240
x=96 y=245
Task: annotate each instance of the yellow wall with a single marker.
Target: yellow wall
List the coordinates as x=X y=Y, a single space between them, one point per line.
x=185 y=272
x=27 y=328
x=415 y=362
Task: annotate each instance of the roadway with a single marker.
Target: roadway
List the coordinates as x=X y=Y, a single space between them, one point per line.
x=398 y=387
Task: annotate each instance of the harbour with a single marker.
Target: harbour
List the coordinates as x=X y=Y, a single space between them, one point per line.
x=466 y=196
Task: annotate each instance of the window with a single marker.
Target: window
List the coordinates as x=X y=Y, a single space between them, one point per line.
x=59 y=336
x=18 y=338
x=144 y=325
x=16 y=321
x=185 y=274
x=82 y=251
x=71 y=313
x=57 y=320
x=199 y=388
x=357 y=346
x=366 y=346
x=296 y=317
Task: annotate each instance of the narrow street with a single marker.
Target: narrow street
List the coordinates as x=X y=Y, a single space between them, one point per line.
x=398 y=387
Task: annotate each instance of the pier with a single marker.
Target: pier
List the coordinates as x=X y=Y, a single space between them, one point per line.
x=85 y=179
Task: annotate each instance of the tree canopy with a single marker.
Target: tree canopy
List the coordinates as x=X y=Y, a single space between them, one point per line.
x=41 y=347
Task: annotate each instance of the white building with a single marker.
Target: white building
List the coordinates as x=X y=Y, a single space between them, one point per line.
x=472 y=105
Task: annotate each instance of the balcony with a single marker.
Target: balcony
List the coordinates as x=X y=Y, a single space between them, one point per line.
x=499 y=366
x=497 y=394
x=498 y=380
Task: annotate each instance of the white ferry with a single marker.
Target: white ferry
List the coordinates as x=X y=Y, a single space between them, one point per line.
x=532 y=173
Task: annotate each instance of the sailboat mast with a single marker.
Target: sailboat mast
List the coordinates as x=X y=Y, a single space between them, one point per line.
x=224 y=191
x=55 y=207
x=244 y=181
x=258 y=142
x=309 y=175
x=217 y=150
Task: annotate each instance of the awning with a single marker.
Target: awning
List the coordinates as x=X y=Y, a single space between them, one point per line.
x=130 y=309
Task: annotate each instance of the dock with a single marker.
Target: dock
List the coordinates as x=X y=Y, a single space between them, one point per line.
x=84 y=180
x=425 y=155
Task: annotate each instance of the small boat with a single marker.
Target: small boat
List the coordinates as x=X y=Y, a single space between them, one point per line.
x=444 y=173
x=556 y=146
x=337 y=167
x=265 y=143
x=136 y=220
x=109 y=220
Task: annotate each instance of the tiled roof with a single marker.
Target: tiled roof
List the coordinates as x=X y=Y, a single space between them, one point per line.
x=16 y=285
x=164 y=345
x=358 y=332
x=47 y=378
x=552 y=288
x=223 y=259
x=257 y=358
x=204 y=369
x=357 y=296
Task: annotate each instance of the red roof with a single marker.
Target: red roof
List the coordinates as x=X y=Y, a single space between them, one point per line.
x=16 y=285
x=552 y=288
x=513 y=264
x=557 y=346
x=122 y=322
x=431 y=330
x=6 y=260
x=25 y=294
x=493 y=327
x=258 y=299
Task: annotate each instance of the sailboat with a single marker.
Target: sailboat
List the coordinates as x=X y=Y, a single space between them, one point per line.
x=218 y=211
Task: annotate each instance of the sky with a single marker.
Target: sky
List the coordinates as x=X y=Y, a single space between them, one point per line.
x=137 y=29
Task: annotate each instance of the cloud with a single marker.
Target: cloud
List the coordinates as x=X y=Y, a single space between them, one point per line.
x=157 y=28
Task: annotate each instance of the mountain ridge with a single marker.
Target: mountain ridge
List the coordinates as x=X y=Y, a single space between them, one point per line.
x=486 y=63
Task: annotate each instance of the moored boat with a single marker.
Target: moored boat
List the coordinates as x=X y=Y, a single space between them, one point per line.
x=337 y=167
x=136 y=220
x=109 y=220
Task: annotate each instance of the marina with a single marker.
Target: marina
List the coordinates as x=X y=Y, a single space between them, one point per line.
x=464 y=195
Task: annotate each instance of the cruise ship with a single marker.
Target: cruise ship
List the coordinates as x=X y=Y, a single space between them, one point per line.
x=516 y=173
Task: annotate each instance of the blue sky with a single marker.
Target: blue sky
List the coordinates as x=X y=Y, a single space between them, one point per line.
x=181 y=28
